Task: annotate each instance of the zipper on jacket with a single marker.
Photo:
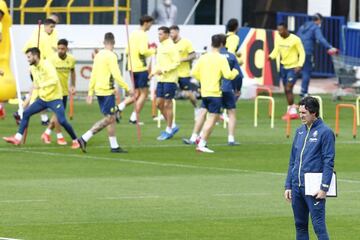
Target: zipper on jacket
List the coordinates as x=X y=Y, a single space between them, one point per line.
x=302 y=152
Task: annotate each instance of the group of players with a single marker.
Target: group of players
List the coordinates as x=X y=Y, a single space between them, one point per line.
x=217 y=71
x=51 y=65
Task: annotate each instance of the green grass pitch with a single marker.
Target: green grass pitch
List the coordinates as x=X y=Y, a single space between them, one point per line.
x=166 y=190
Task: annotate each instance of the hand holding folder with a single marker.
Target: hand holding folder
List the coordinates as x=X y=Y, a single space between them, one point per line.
x=313 y=183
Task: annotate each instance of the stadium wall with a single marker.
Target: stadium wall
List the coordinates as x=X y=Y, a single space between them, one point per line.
x=85 y=38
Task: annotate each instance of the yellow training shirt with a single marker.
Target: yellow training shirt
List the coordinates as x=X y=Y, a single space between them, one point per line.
x=232 y=45
x=47 y=43
x=63 y=69
x=232 y=42
x=291 y=51
x=184 y=47
x=167 y=61
x=104 y=71
x=209 y=70
x=139 y=50
x=46 y=82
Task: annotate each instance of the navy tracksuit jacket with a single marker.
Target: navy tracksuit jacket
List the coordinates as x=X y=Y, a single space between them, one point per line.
x=313 y=150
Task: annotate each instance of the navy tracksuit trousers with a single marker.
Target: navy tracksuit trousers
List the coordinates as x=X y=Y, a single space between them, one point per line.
x=303 y=205
x=39 y=105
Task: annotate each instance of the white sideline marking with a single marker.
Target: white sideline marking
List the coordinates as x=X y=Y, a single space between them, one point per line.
x=22 y=201
x=243 y=194
x=82 y=156
x=130 y=197
x=167 y=145
x=144 y=162
x=107 y=146
x=1 y=238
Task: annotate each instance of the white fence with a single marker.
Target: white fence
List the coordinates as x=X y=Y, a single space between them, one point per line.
x=84 y=38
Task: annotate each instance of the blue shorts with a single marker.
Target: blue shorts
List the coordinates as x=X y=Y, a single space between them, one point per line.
x=212 y=104
x=288 y=76
x=166 y=90
x=228 y=100
x=64 y=100
x=184 y=83
x=107 y=104
x=141 y=79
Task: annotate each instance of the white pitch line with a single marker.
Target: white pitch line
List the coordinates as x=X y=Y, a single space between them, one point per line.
x=130 y=197
x=23 y=201
x=107 y=146
x=166 y=145
x=134 y=161
x=243 y=194
x=2 y=238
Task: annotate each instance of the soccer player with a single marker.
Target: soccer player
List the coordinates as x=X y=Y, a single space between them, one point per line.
x=167 y=63
x=230 y=91
x=209 y=70
x=233 y=40
x=47 y=93
x=139 y=52
x=310 y=32
x=46 y=41
x=65 y=66
x=187 y=54
x=292 y=55
x=104 y=71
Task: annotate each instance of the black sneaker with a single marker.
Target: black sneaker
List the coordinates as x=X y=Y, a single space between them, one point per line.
x=118 y=150
x=45 y=123
x=233 y=144
x=188 y=141
x=82 y=144
x=134 y=122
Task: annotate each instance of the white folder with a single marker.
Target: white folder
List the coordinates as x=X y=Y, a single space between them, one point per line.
x=313 y=183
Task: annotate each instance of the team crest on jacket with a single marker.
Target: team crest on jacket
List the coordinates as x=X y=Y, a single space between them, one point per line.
x=315 y=134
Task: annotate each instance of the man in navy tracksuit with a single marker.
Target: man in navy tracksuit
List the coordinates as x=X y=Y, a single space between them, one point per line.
x=230 y=92
x=309 y=33
x=313 y=150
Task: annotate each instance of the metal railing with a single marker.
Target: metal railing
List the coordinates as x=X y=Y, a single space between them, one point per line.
x=69 y=9
x=351 y=42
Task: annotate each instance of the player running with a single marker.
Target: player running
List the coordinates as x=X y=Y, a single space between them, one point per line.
x=47 y=93
x=45 y=38
x=140 y=50
x=209 y=70
x=104 y=71
x=292 y=55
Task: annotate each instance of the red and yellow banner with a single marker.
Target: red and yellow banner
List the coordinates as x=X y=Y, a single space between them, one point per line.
x=255 y=47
